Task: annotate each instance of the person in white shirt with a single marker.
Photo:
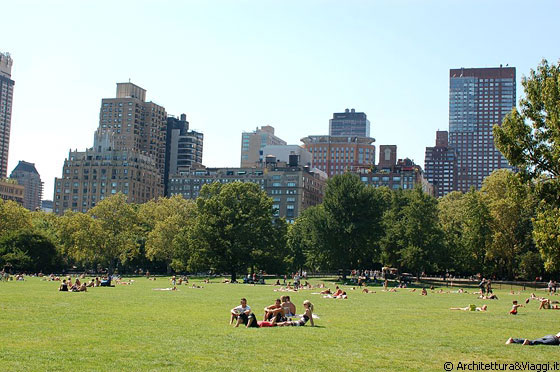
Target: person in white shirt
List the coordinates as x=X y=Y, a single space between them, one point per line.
x=243 y=314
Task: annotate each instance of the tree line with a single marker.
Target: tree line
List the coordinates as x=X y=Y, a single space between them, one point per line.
x=510 y=228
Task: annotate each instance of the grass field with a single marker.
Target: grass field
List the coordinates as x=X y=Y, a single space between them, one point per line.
x=134 y=328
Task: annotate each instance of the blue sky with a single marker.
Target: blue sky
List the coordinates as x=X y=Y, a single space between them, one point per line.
x=234 y=65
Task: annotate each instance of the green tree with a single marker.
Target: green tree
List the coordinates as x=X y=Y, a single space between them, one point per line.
x=511 y=207
x=27 y=250
x=477 y=233
x=451 y=210
x=80 y=239
x=413 y=238
x=46 y=224
x=424 y=250
x=305 y=240
x=353 y=222
x=393 y=241
x=530 y=265
x=231 y=221
x=13 y=217
x=116 y=223
x=529 y=138
x=272 y=256
x=162 y=221
x=546 y=233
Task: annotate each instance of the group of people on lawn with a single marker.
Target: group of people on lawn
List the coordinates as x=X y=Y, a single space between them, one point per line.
x=278 y=314
x=78 y=286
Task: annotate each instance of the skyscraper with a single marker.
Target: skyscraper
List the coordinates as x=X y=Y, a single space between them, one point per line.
x=252 y=144
x=128 y=155
x=135 y=124
x=183 y=147
x=478 y=99
x=26 y=174
x=349 y=123
x=101 y=171
x=6 y=95
x=440 y=165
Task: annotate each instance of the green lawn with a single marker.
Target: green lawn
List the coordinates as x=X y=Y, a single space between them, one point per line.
x=134 y=328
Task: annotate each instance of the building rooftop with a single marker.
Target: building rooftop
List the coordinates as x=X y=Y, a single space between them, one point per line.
x=24 y=166
x=337 y=139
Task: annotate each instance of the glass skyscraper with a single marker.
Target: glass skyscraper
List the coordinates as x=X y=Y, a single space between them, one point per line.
x=478 y=99
x=6 y=94
x=349 y=123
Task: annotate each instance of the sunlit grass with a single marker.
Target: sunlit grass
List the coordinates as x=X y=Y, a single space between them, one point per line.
x=135 y=328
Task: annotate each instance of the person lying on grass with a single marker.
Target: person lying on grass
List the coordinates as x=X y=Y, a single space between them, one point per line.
x=545 y=340
x=341 y=296
x=471 y=307
x=338 y=292
x=488 y=297
x=547 y=304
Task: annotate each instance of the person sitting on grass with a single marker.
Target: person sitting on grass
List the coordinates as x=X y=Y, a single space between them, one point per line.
x=91 y=283
x=243 y=314
x=545 y=340
x=307 y=317
x=63 y=286
x=514 y=308
x=288 y=307
x=82 y=287
x=97 y=282
x=273 y=311
x=106 y=281
x=471 y=307
x=424 y=292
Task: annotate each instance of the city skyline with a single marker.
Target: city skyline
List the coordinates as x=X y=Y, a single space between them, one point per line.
x=232 y=68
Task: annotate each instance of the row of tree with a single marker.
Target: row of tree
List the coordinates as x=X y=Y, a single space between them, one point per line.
x=508 y=229
x=502 y=230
